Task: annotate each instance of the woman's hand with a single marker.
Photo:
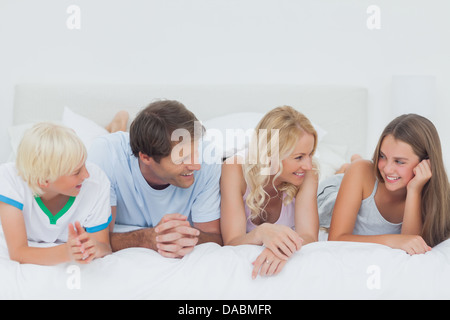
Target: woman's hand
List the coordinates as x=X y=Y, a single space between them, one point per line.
x=267 y=264
x=280 y=239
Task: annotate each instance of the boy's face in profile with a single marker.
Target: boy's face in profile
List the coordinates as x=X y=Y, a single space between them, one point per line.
x=69 y=185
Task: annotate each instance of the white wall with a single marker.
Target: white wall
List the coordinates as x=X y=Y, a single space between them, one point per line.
x=228 y=41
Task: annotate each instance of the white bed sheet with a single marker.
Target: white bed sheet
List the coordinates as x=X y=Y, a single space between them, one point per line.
x=321 y=270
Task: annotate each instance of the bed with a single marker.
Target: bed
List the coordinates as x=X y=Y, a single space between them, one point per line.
x=321 y=270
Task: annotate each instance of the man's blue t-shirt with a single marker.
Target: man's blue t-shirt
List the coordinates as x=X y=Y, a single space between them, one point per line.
x=137 y=203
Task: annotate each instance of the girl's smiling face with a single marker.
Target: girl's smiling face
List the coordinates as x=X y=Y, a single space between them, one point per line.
x=396 y=163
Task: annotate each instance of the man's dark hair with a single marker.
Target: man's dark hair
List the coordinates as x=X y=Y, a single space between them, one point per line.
x=151 y=130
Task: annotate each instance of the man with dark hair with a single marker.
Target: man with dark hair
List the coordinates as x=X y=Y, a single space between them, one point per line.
x=158 y=183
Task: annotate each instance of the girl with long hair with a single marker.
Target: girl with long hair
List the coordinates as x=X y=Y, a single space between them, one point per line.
x=401 y=198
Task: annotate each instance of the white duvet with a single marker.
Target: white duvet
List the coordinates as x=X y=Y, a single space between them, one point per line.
x=321 y=270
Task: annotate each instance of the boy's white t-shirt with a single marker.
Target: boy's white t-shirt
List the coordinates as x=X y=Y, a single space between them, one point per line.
x=90 y=207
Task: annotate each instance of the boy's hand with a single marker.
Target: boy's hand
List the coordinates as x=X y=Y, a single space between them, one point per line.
x=81 y=248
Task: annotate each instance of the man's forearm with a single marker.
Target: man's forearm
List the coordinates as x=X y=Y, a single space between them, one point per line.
x=146 y=238
x=142 y=238
x=210 y=237
x=209 y=232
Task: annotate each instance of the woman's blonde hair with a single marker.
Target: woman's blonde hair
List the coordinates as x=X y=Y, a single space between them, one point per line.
x=422 y=136
x=280 y=128
x=46 y=152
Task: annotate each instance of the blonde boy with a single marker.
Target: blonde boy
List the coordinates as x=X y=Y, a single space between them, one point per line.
x=52 y=195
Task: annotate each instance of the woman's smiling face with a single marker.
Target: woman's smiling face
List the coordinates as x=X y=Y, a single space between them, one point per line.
x=299 y=162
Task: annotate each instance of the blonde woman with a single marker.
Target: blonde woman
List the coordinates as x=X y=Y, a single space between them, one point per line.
x=264 y=201
x=401 y=198
x=51 y=195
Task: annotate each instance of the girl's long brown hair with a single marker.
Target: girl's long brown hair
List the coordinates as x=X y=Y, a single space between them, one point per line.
x=422 y=136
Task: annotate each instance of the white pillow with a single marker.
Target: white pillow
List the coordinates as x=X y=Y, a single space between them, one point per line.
x=330 y=157
x=85 y=128
x=15 y=134
x=235 y=125
x=222 y=130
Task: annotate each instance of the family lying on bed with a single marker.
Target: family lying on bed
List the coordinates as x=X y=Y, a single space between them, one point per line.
x=58 y=193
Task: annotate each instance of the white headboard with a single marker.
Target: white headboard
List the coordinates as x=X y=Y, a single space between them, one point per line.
x=340 y=110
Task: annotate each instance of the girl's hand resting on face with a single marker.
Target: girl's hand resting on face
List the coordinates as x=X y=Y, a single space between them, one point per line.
x=422 y=174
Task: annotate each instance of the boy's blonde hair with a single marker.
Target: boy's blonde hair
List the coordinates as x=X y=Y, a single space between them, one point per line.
x=46 y=152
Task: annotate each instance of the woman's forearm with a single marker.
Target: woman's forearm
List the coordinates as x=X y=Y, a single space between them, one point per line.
x=251 y=237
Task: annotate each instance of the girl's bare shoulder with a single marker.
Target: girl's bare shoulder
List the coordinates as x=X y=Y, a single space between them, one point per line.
x=361 y=166
x=362 y=172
